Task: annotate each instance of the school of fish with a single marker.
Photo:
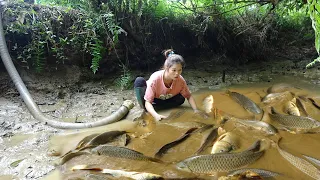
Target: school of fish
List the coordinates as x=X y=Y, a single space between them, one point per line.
x=283 y=109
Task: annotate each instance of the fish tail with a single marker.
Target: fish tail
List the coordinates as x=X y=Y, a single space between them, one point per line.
x=263 y=115
x=275 y=143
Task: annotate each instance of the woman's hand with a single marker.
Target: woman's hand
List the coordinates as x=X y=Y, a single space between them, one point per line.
x=200 y=113
x=159 y=117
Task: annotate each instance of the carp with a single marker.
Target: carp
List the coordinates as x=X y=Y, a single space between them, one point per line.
x=245 y=102
x=221 y=162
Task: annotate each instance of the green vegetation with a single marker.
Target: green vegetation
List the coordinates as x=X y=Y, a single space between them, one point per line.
x=314 y=11
x=125 y=34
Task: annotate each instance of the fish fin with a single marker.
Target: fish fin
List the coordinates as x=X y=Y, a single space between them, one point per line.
x=285 y=128
x=85 y=167
x=303 y=98
x=255 y=146
x=224 y=120
x=314 y=103
x=155 y=160
x=259 y=95
x=292 y=93
x=273 y=110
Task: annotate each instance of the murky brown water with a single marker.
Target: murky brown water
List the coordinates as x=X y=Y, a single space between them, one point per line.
x=149 y=139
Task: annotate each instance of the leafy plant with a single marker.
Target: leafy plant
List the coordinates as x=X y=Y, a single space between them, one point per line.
x=125 y=80
x=314 y=10
x=96 y=49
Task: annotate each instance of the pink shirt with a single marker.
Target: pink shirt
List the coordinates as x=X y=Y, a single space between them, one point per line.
x=157 y=89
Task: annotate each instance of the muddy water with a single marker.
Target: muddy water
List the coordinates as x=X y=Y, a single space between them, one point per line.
x=149 y=136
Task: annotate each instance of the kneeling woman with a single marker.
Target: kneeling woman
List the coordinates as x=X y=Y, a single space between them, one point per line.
x=165 y=88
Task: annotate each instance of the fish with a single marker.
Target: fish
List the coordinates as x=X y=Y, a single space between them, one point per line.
x=281 y=87
x=300 y=163
x=315 y=104
x=265 y=127
x=221 y=162
x=96 y=140
x=122 y=152
x=208 y=139
x=121 y=140
x=313 y=160
x=245 y=175
x=301 y=106
x=225 y=143
x=207 y=104
x=275 y=98
x=245 y=102
x=86 y=140
x=261 y=172
x=185 y=125
x=104 y=138
x=175 y=114
x=290 y=121
x=291 y=108
x=69 y=156
x=203 y=129
x=166 y=147
x=259 y=125
x=120 y=173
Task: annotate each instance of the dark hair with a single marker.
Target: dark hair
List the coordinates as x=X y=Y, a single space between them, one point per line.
x=172 y=58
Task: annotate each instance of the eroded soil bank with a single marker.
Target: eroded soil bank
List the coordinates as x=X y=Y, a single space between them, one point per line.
x=72 y=94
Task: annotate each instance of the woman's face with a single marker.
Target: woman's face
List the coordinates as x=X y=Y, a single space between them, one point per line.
x=174 y=71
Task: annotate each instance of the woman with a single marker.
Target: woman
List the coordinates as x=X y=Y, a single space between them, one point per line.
x=165 y=88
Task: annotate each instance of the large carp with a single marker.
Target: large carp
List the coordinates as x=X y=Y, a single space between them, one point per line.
x=245 y=102
x=225 y=143
x=207 y=104
x=294 y=122
x=275 y=98
x=221 y=162
x=291 y=108
x=261 y=126
x=278 y=88
x=122 y=152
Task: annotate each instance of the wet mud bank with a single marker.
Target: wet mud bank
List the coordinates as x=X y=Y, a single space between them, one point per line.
x=74 y=95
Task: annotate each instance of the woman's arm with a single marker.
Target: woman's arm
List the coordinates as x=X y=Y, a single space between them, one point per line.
x=193 y=104
x=153 y=112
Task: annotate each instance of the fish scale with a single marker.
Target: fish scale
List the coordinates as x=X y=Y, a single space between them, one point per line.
x=221 y=162
x=121 y=152
x=301 y=164
x=295 y=121
x=245 y=102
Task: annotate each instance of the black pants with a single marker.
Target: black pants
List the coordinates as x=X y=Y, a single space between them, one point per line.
x=158 y=104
